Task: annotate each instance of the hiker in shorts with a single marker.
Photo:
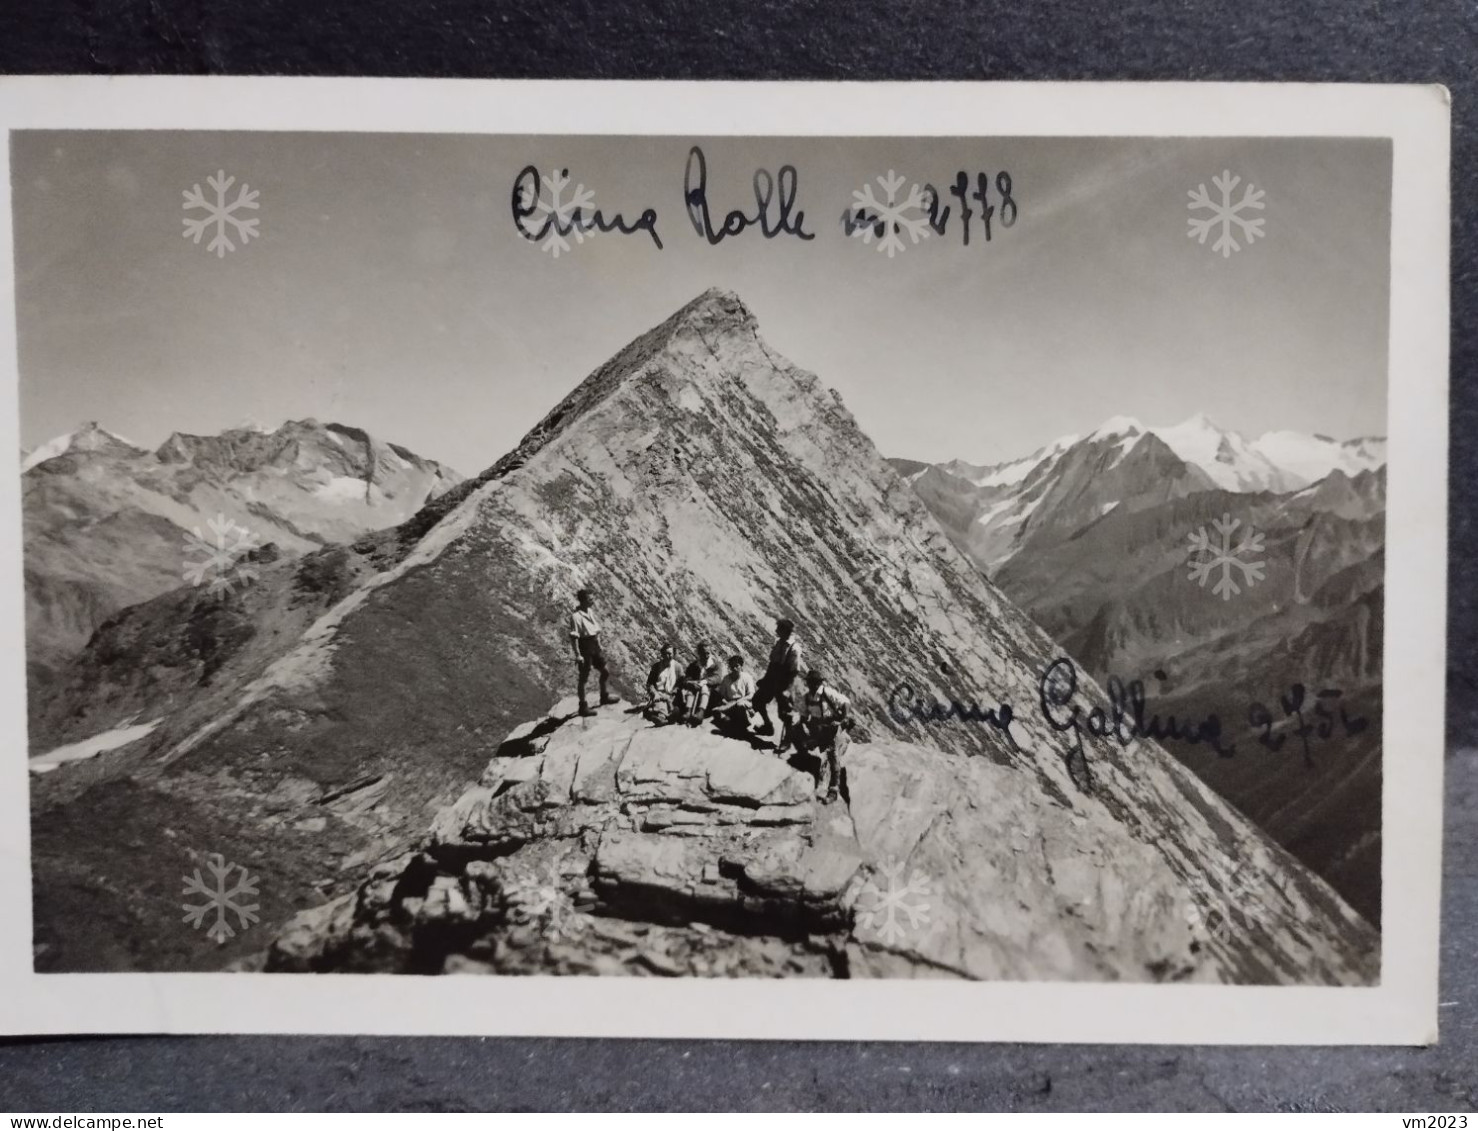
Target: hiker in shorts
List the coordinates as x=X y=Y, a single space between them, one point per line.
x=585 y=640
x=823 y=729
x=698 y=681
x=776 y=684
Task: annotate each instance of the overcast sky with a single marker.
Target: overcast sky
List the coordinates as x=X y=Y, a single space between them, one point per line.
x=390 y=290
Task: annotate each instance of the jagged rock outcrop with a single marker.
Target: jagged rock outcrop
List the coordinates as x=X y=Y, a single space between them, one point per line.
x=702 y=486
x=609 y=846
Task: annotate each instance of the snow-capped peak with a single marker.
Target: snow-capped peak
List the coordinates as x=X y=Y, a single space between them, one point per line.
x=1225 y=456
x=88 y=438
x=1199 y=430
x=1277 y=461
x=1012 y=471
x=1313 y=457
x=251 y=424
x=1116 y=426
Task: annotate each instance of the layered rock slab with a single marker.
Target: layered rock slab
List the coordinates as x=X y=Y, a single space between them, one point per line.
x=609 y=846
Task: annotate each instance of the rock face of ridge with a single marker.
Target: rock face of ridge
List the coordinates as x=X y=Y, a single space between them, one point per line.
x=106 y=522
x=608 y=846
x=702 y=486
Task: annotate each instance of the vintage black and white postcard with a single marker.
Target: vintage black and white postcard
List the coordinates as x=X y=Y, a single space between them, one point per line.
x=770 y=560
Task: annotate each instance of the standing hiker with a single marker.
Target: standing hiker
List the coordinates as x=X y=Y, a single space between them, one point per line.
x=776 y=684
x=823 y=728
x=585 y=640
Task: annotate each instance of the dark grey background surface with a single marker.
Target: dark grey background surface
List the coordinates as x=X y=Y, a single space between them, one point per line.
x=1356 y=41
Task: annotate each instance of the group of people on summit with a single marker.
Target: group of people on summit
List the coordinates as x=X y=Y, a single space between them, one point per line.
x=729 y=696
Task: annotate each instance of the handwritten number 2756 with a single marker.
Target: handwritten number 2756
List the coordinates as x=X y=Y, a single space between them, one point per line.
x=1294 y=703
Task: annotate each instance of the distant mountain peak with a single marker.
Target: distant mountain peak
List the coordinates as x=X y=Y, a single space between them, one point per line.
x=87 y=437
x=1225 y=457
x=253 y=425
x=992 y=474
x=1116 y=426
x=1308 y=458
x=1198 y=422
x=104 y=518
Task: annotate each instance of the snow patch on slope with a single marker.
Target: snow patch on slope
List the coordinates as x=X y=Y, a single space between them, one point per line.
x=88 y=435
x=1125 y=446
x=49 y=450
x=113 y=739
x=341 y=489
x=1010 y=473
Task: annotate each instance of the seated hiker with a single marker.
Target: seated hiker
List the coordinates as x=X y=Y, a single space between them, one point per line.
x=662 y=681
x=730 y=709
x=696 y=686
x=823 y=728
x=713 y=667
x=776 y=684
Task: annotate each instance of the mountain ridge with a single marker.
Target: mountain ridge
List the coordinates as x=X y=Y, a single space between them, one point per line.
x=1279 y=461
x=109 y=524
x=322 y=715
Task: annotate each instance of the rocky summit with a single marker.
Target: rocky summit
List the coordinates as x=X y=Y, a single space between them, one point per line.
x=610 y=846
x=315 y=723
